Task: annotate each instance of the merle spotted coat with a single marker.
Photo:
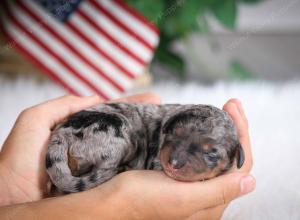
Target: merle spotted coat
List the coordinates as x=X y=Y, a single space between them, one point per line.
x=188 y=142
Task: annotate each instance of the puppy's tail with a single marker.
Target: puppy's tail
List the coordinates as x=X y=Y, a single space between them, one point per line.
x=61 y=176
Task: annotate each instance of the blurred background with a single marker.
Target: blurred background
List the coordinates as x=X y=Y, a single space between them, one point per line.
x=209 y=52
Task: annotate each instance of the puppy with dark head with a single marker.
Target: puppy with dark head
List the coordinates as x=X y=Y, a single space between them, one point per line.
x=199 y=144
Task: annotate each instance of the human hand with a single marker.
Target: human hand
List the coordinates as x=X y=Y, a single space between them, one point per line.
x=23 y=176
x=153 y=195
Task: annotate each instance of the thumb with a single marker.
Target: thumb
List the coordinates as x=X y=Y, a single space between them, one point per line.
x=222 y=190
x=53 y=111
x=218 y=191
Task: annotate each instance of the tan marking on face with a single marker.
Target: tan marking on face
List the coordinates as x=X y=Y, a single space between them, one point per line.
x=206 y=147
x=179 y=131
x=164 y=155
x=221 y=165
x=73 y=165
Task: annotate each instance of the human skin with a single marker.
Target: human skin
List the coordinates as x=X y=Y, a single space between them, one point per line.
x=130 y=195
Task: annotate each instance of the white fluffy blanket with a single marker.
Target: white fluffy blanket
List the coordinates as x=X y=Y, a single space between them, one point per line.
x=274 y=115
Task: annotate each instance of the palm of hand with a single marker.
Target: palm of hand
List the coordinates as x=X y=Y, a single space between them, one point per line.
x=22 y=159
x=23 y=156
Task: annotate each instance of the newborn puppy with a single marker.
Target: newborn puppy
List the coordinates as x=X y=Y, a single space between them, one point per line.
x=188 y=142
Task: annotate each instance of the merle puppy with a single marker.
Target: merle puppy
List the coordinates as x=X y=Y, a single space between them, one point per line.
x=188 y=142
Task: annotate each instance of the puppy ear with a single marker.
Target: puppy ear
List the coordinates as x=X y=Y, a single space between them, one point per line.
x=240 y=156
x=169 y=124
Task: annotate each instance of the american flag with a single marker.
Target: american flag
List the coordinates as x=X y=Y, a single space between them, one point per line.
x=88 y=46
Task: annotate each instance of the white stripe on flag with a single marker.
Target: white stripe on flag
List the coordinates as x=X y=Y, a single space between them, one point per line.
x=46 y=59
x=126 y=39
x=130 y=21
x=118 y=55
x=80 y=45
x=65 y=54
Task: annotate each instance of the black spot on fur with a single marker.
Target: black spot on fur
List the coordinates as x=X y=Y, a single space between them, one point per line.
x=151 y=167
x=118 y=133
x=104 y=157
x=56 y=142
x=93 y=178
x=79 y=134
x=101 y=127
x=116 y=106
x=80 y=185
x=193 y=148
x=141 y=135
x=153 y=146
x=49 y=162
x=84 y=119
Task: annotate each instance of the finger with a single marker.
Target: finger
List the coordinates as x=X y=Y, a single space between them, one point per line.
x=234 y=108
x=214 y=213
x=240 y=108
x=215 y=192
x=56 y=110
x=143 y=98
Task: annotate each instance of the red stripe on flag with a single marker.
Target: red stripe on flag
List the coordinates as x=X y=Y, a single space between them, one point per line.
x=53 y=54
x=109 y=37
x=137 y=15
x=99 y=50
x=68 y=45
x=120 y=24
x=40 y=65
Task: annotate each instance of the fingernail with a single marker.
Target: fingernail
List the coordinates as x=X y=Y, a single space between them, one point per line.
x=247 y=184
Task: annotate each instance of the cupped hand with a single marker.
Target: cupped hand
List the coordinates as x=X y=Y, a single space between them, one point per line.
x=22 y=159
x=153 y=195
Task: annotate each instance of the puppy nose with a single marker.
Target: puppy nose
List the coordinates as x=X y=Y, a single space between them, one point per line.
x=175 y=163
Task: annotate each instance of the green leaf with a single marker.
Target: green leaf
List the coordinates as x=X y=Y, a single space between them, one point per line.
x=189 y=12
x=152 y=10
x=178 y=18
x=171 y=28
x=238 y=71
x=226 y=12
